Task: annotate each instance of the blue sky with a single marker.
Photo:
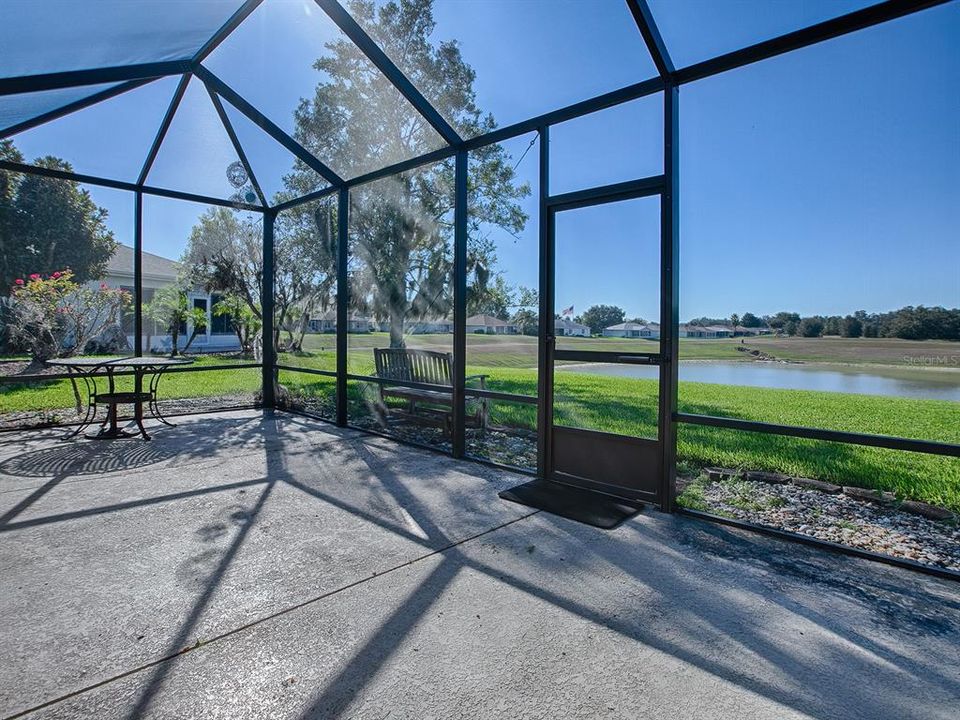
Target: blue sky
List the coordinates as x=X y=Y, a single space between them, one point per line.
x=823 y=181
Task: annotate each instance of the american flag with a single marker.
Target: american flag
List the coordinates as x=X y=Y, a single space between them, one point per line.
x=568 y=311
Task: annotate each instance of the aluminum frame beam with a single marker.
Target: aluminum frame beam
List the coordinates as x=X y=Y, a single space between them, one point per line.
x=651 y=36
x=228 y=27
x=123 y=185
x=228 y=126
x=162 y=130
x=267 y=125
x=890 y=442
x=74 y=106
x=97 y=76
x=811 y=35
x=351 y=28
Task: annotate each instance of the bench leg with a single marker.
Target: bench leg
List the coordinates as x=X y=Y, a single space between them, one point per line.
x=380 y=410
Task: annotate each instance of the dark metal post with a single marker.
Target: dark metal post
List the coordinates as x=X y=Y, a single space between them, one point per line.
x=138 y=273
x=460 y=304
x=546 y=326
x=343 y=301
x=669 y=298
x=266 y=309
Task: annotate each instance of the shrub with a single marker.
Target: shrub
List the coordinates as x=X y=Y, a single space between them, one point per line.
x=54 y=316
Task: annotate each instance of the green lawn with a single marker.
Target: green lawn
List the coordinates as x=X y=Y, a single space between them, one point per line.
x=629 y=406
x=521 y=350
x=58 y=394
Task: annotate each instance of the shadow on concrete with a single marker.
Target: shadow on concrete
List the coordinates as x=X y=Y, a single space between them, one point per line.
x=665 y=557
x=851 y=669
x=91 y=459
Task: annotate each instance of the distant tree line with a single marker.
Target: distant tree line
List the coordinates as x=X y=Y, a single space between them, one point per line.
x=907 y=323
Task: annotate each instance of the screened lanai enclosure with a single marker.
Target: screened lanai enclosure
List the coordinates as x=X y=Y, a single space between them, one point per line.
x=486 y=228
x=479 y=358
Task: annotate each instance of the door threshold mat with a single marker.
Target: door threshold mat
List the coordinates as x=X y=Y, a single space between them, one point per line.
x=586 y=506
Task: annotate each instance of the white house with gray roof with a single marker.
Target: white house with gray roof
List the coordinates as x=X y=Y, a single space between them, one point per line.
x=633 y=330
x=160 y=272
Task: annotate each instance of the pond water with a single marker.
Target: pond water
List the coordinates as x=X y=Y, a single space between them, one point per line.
x=895 y=382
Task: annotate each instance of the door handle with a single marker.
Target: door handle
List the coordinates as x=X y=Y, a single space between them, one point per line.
x=636 y=360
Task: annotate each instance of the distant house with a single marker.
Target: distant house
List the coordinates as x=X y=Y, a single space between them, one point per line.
x=692 y=331
x=429 y=326
x=326 y=322
x=741 y=331
x=633 y=330
x=160 y=272
x=569 y=328
x=720 y=331
x=489 y=325
x=705 y=331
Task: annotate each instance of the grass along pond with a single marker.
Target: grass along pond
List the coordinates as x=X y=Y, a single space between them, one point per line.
x=892 y=381
x=628 y=405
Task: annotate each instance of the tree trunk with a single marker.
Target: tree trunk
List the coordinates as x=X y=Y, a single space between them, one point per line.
x=193 y=336
x=175 y=337
x=396 y=328
x=302 y=324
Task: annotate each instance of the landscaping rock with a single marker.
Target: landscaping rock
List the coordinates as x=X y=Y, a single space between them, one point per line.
x=112 y=340
x=820 y=485
x=874 y=496
x=718 y=474
x=868 y=521
x=768 y=477
x=928 y=511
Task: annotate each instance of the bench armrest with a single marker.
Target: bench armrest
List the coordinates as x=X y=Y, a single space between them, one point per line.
x=481 y=378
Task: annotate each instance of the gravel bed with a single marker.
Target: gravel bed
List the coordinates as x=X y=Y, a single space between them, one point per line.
x=12 y=368
x=836 y=518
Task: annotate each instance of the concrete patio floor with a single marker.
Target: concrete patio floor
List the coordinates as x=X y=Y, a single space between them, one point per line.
x=248 y=565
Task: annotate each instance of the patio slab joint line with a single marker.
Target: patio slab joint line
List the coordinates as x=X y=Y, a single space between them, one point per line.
x=266 y=618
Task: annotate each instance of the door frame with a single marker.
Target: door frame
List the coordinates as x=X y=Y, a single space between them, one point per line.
x=659 y=454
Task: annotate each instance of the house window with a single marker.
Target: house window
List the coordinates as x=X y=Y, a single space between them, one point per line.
x=201 y=304
x=219 y=324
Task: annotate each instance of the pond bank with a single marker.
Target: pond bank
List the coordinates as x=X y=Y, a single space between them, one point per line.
x=889 y=381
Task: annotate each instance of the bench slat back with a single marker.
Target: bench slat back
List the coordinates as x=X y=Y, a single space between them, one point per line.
x=423 y=366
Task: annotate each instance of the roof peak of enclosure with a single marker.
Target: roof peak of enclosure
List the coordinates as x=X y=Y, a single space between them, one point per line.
x=425 y=75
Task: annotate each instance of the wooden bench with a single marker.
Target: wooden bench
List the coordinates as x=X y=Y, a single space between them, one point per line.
x=434 y=407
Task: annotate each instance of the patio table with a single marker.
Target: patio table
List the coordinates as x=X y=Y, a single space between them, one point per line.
x=87 y=369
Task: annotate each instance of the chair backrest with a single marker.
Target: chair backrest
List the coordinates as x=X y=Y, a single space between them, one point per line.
x=423 y=366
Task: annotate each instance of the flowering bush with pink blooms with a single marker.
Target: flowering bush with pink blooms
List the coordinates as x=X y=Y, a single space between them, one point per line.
x=54 y=316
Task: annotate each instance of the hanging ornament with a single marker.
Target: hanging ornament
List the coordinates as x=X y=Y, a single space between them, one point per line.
x=237 y=174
